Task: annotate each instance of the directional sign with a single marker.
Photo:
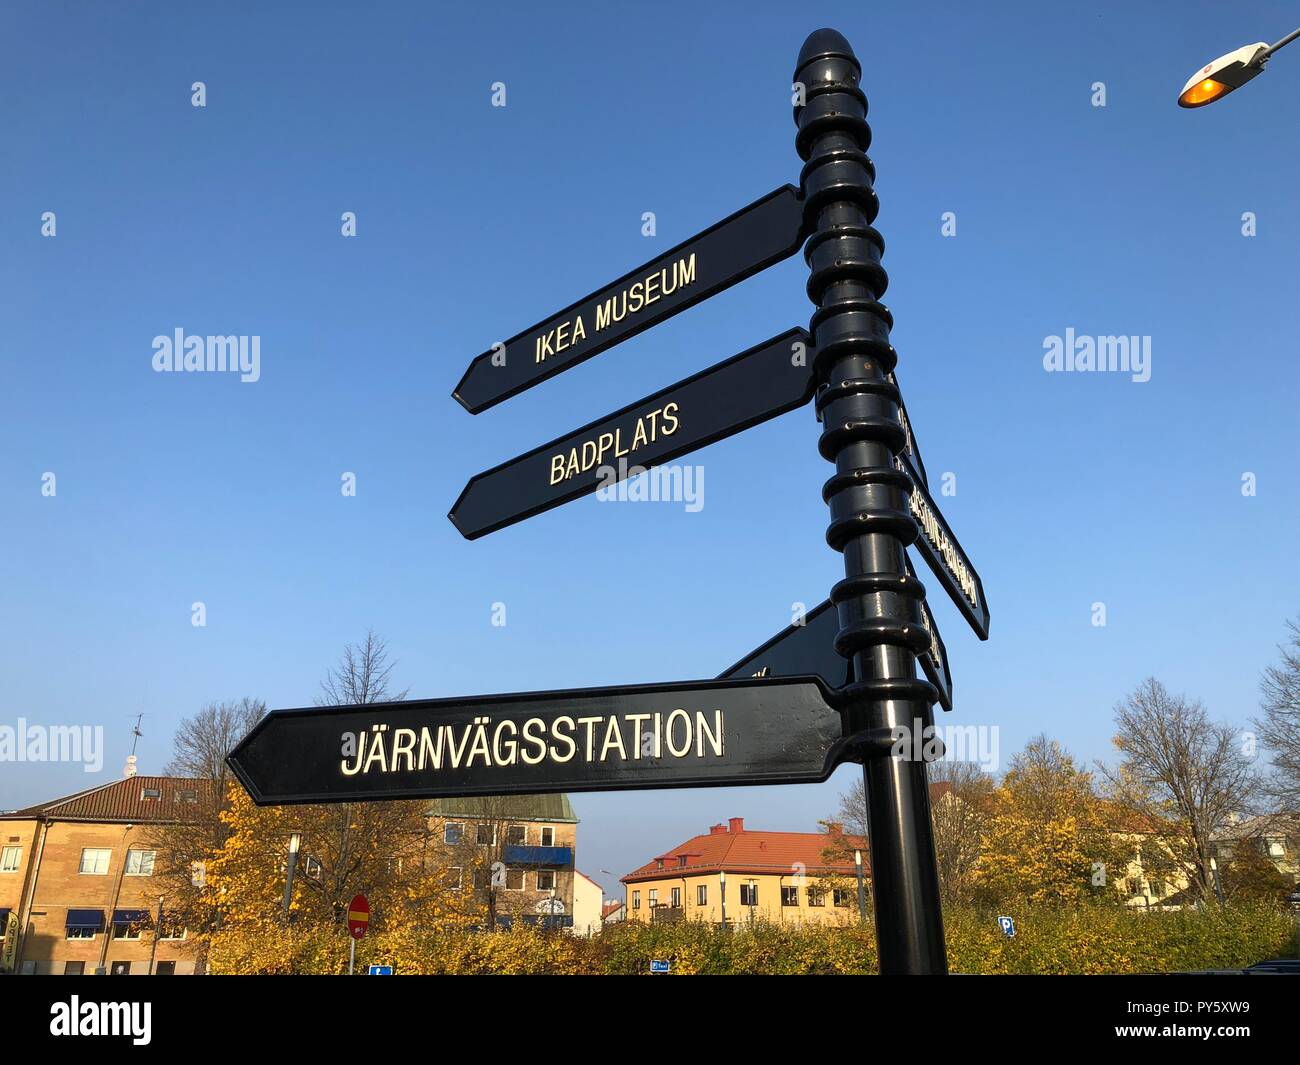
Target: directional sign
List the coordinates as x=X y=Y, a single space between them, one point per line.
x=358 y=916
x=944 y=555
x=807 y=649
x=934 y=660
x=910 y=444
x=780 y=730
x=749 y=388
x=765 y=232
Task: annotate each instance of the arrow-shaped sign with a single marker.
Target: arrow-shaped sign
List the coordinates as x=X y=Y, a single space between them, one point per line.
x=752 y=239
x=742 y=391
x=807 y=649
x=776 y=731
x=944 y=555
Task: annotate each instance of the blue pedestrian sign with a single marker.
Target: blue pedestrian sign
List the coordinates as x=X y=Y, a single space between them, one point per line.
x=381 y=970
x=1007 y=925
x=658 y=966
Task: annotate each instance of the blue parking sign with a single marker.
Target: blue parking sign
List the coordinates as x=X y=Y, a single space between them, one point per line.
x=1007 y=925
x=381 y=970
x=658 y=966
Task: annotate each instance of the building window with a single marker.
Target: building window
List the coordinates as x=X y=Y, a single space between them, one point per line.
x=309 y=867
x=517 y=835
x=548 y=836
x=172 y=928
x=187 y=796
x=9 y=859
x=681 y=860
x=486 y=835
x=653 y=897
x=455 y=877
x=139 y=863
x=165 y=968
x=789 y=895
x=74 y=968
x=514 y=880
x=94 y=861
x=749 y=894
x=843 y=897
x=701 y=894
x=546 y=880
x=816 y=896
x=126 y=931
x=659 y=863
x=453 y=832
x=677 y=898
x=81 y=931
x=150 y=793
x=120 y=968
x=1276 y=848
x=636 y=900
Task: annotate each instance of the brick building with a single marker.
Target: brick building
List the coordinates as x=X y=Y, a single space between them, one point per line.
x=77 y=886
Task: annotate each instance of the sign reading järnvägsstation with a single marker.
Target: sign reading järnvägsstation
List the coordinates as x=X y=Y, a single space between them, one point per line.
x=641 y=736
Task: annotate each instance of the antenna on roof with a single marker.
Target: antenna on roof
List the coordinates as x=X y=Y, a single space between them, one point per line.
x=131 y=769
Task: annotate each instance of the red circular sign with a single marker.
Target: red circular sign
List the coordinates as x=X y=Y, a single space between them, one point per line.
x=358 y=916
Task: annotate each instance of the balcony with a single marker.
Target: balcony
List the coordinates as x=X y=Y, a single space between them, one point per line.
x=538 y=857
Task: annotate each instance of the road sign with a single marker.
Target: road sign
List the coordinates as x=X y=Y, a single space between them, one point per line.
x=686 y=734
x=934 y=660
x=381 y=970
x=944 y=555
x=807 y=649
x=910 y=444
x=659 y=965
x=744 y=390
x=739 y=246
x=358 y=916
x=1008 y=926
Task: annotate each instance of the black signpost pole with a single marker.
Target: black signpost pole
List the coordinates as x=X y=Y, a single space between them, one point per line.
x=878 y=601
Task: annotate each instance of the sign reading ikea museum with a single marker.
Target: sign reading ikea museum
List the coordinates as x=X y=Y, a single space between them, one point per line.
x=772 y=731
x=739 y=246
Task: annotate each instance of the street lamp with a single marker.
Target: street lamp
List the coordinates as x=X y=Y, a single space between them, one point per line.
x=862 y=890
x=722 y=894
x=1218 y=78
x=295 y=841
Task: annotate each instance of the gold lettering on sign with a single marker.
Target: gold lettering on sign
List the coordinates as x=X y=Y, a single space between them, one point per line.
x=651 y=426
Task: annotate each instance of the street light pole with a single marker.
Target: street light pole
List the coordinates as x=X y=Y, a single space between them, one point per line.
x=295 y=841
x=878 y=601
x=862 y=888
x=722 y=894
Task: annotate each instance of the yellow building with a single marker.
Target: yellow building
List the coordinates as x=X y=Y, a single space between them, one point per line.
x=737 y=874
x=77 y=887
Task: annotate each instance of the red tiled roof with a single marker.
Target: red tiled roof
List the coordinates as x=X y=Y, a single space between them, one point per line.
x=610 y=907
x=742 y=850
x=123 y=800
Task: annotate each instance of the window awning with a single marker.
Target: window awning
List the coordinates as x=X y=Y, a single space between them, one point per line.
x=130 y=916
x=86 y=919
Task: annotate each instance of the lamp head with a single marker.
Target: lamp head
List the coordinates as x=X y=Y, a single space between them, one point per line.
x=1219 y=77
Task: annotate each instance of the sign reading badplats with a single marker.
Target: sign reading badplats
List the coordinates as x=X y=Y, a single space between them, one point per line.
x=739 y=246
x=782 y=730
x=758 y=384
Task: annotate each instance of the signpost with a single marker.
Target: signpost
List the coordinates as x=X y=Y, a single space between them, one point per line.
x=749 y=388
x=739 y=246
x=843 y=685
x=692 y=734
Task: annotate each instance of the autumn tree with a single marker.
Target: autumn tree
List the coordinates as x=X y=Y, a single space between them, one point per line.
x=961 y=805
x=1180 y=769
x=188 y=843
x=1048 y=838
x=1248 y=875
x=1279 y=728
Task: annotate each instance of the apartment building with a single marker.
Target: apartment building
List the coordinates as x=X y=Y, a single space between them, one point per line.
x=519 y=847
x=77 y=887
x=735 y=874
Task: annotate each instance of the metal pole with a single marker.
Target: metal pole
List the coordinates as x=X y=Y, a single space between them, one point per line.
x=352 y=953
x=871 y=521
x=722 y=895
x=295 y=841
x=157 y=931
x=862 y=888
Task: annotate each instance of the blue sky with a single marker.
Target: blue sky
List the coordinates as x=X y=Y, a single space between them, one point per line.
x=474 y=222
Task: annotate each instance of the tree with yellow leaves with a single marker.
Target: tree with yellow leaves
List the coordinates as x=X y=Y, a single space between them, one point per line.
x=1047 y=839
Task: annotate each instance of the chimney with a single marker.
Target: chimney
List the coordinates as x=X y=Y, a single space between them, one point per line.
x=737 y=824
x=717 y=829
